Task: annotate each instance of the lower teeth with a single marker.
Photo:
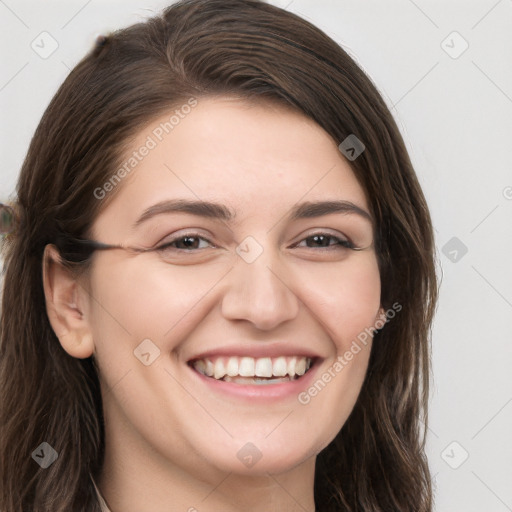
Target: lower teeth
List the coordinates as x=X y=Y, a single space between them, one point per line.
x=256 y=380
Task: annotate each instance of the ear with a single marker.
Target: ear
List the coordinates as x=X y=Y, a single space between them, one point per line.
x=65 y=303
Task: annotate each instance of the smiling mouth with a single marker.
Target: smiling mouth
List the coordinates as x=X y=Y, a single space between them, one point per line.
x=250 y=371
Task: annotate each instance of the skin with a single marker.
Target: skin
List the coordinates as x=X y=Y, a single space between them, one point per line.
x=172 y=441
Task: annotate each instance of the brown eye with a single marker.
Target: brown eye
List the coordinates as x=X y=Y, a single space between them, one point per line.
x=323 y=240
x=189 y=242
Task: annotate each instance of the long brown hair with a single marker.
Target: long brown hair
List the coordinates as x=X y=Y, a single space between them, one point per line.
x=196 y=48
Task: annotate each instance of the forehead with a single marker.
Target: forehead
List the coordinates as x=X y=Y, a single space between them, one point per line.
x=257 y=158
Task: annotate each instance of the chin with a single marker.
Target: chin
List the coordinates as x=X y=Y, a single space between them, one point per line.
x=260 y=457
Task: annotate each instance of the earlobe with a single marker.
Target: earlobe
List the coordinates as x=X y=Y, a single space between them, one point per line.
x=64 y=306
x=76 y=344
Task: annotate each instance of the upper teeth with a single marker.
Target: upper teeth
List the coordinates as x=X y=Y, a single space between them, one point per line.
x=253 y=367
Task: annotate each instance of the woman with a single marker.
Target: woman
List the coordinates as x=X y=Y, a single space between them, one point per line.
x=219 y=289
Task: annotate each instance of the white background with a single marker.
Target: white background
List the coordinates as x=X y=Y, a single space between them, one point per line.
x=456 y=117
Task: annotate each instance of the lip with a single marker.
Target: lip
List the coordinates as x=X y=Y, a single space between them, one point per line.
x=263 y=392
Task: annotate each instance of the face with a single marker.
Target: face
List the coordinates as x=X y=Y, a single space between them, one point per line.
x=260 y=284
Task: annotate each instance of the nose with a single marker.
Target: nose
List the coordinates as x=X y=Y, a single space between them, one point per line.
x=260 y=292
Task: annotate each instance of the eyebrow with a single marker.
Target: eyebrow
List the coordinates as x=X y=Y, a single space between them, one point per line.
x=208 y=209
x=201 y=208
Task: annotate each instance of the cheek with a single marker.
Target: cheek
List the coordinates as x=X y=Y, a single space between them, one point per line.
x=345 y=300
x=132 y=302
x=344 y=297
x=135 y=300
